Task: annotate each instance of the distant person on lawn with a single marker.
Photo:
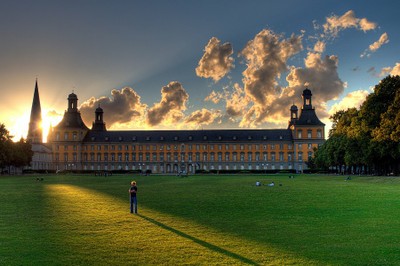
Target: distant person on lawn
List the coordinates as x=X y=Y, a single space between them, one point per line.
x=133 y=201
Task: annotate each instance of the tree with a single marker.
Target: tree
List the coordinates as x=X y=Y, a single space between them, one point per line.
x=369 y=137
x=16 y=154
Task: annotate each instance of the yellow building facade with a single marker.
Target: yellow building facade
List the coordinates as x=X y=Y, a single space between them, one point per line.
x=75 y=147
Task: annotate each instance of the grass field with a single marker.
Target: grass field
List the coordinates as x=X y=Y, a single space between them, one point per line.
x=201 y=220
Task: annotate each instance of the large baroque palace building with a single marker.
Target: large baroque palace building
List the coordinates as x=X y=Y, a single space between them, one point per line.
x=76 y=147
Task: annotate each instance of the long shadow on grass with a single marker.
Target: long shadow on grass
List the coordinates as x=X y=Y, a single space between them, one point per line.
x=200 y=242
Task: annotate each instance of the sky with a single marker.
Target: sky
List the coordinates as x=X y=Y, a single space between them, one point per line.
x=186 y=64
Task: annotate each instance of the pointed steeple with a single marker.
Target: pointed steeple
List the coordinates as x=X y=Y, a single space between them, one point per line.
x=35 y=134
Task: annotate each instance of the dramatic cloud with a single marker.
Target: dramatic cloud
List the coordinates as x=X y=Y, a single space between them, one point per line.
x=389 y=70
x=396 y=70
x=266 y=56
x=376 y=45
x=353 y=99
x=123 y=107
x=236 y=101
x=214 y=97
x=170 y=109
x=216 y=61
x=201 y=117
x=319 y=47
x=335 y=24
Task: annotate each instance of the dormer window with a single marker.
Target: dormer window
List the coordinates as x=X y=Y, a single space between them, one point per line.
x=106 y=138
x=264 y=137
x=219 y=137
x=93 y=138
x=176 y=138
x=204 y=137
x=134 y=138
x=148 y=138
x=234 y=138
x=161 y=138
x=120 y=138
x=249 y=137
x=190 y=138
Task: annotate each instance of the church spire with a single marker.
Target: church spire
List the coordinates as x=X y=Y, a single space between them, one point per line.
x=35 y=134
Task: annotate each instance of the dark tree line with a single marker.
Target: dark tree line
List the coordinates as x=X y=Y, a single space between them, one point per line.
x=366 y=140
x=13 y=154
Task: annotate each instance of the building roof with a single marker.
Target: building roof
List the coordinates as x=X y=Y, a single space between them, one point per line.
x=72 y=120
x=308 y=117
x=180 y=136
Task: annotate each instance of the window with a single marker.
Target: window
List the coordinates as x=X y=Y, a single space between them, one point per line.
x=309 y=146
x=57 y=135
x=250 y=157
x=319 y=133
x=309 y=135
x=281 y=156
x=74 y=136
x=66 y=136
x=265 y=156
x=273 y=156
x=300 y=156
x=272 y=146
x=299 y=134
x=227 y=156
x=219 y=156
x=242 y=156
x=234 y=156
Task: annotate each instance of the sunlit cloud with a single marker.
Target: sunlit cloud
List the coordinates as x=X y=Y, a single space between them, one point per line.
x=266 y=58
x=335 y=24
x=201 y=117
x=214 y=97
x=319 y=47
x=170 y=109
x=352 y=100
x=122 y=107
x=390 y=70
x=216 y=61
x=376 y=45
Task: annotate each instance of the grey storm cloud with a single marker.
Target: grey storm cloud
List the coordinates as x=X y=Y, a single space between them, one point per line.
x=170 y=109
x=123 y=106
x=216 y=61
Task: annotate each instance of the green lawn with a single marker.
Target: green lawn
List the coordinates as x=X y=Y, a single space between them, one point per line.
x=201 y=220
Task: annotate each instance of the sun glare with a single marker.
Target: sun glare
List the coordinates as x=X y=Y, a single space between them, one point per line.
x=47 y=122
x=19 y=126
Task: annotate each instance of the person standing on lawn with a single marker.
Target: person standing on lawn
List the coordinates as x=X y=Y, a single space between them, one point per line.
x=133 y=198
